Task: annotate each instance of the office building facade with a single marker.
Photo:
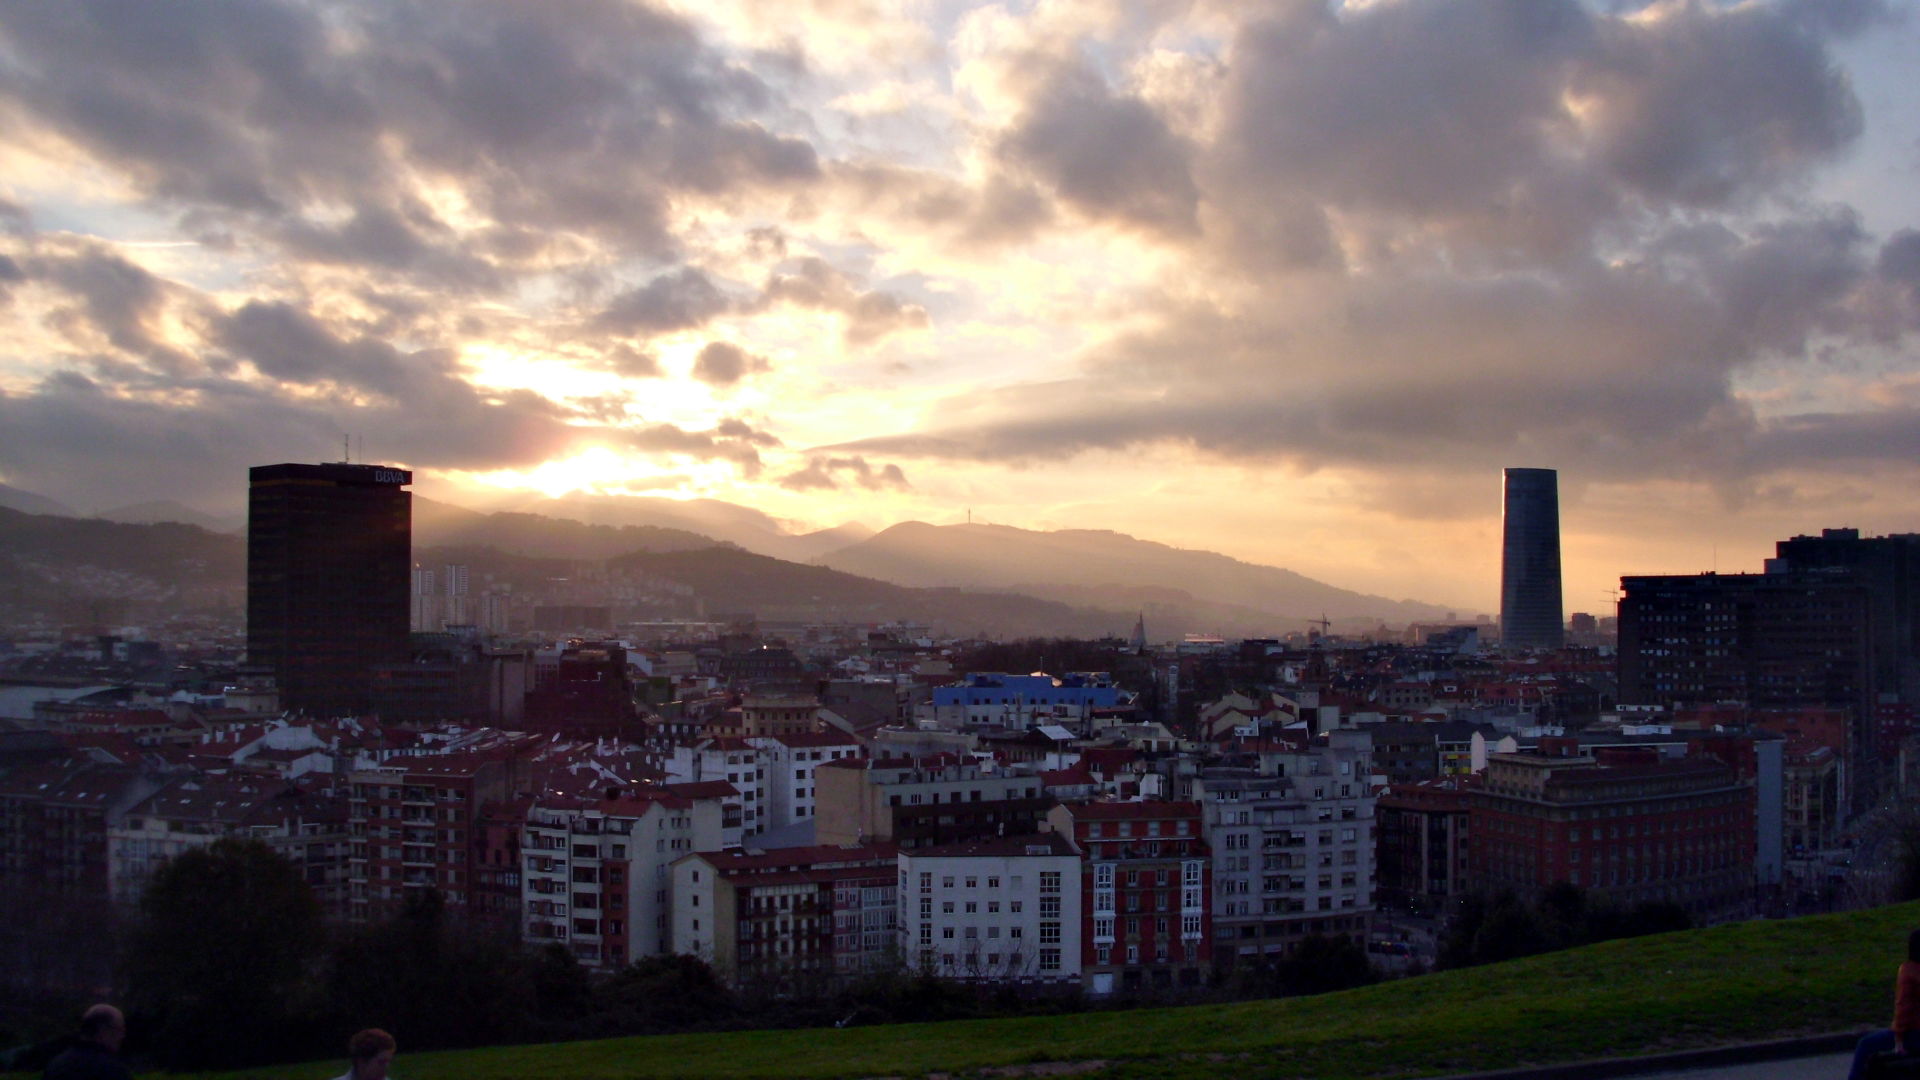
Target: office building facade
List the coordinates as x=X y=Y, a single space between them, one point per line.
x=329 y=562
x=1530 y=615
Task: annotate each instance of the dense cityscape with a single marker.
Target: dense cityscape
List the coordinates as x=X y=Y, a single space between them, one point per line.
x=793 y=804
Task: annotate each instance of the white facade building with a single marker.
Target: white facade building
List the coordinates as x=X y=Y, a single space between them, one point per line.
x=1001 y=910
x=597 y=871
x=1293 y=844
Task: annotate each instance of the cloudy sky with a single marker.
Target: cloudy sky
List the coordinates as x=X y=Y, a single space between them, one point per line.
x=1287 y=280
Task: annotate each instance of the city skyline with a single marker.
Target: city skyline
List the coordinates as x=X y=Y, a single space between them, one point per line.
x=1292 y=285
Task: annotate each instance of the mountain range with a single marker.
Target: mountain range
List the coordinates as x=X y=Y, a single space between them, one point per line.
x=1073 y=581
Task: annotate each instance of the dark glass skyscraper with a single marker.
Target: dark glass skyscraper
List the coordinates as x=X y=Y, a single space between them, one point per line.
x=329 y=561
x=1530 y=561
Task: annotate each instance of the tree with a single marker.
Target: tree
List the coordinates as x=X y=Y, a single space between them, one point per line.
x=666 y=993
x=217 y=965
x=1320 y=964
x=435 y=983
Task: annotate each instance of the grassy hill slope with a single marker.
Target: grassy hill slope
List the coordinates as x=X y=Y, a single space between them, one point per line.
x=1727 y=984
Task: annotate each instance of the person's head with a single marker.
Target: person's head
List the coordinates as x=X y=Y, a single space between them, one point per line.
x=371 y=1051
x=1913 y=946
x=103 y=1024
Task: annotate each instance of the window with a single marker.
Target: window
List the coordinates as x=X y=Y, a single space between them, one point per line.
x=946 y=907
x=1050 y=881
x=946 y=931
x=973 y=883
x=946 y=882
x=993 y=882
x=1049 y=959
x=1049 y=933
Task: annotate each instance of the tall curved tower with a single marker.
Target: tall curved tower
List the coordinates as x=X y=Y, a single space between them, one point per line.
x=1530 y=616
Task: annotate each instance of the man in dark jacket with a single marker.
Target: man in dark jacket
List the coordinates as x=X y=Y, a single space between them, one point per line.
x=93 y=1054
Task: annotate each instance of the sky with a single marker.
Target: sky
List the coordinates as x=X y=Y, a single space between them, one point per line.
x=1291 y=281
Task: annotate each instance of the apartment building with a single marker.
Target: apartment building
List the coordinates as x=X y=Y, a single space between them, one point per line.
x=596 y=875
x=307 y=829
x=790 y=761
x=785 y=916
x=1145 y=893
x=924 y=802
x=1291 y=833
x=1623 y=823
x=1000 y=910
x=411 y=823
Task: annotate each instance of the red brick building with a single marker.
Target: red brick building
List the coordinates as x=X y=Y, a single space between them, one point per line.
x=1145 y=895
x=1623 y=823
x=412 y=826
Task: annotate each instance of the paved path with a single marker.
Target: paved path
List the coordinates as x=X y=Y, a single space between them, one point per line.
x=1823 y=1067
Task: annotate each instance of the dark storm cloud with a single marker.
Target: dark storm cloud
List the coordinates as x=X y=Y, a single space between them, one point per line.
x=825 y=473
x=272 y=115
x=1108 y=155
x=722 y=363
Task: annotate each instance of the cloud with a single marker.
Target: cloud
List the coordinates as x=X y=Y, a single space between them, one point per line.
x=825 y=473
x=731 y=440
x=682 y=300
x=1626 y=368
x=1109 y=155
x=870 y=316
x=722 y=363
x=268 y=118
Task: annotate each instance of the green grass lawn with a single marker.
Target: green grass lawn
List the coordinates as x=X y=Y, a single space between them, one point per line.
x=1727 y=984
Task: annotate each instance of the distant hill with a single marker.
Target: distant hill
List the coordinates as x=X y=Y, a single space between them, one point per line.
x=87 y=570
x=729 y=579
x=726 y=522
x=1112 y=565
x=149 y=513
x=438 y=524
x=13 y=498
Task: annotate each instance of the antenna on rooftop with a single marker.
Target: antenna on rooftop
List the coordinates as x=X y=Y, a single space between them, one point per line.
x=346 y=451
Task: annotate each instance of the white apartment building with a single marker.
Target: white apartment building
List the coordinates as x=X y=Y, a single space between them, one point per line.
x=999 y=910
x=740 y=763
x=597 y=874
x=1293 y=844
x=790 y=761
